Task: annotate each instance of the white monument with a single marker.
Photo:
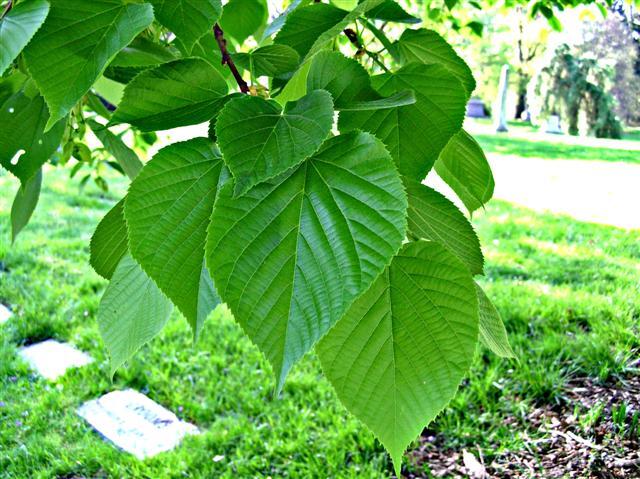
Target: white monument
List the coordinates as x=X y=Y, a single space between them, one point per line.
x=553 y=125
x=135 y=423
x=5 y=313
x=500 y=107
x=51 y=359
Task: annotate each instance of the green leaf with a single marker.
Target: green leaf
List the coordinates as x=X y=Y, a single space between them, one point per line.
x=492 y=331
x=188 y=19
x=109 y=242
x=179 y=93
x=390 y=11
x=18 y=27
x=450 y=3
x=85 y=37
x=142 y=52
x=426 y=46
x=464 y=167
x=260 y=140
x=402 y=98
x=291 y=255
x=132 y=312
x=398 y=355
x=432 y=216
x=272 y=60
x=349 y=84
x=326 y=39
x=343 y=77
x=243 y=18
x=276 y=25
x=24 y=146
x=24 y=204
x=296 y=87
x=414 y=134
x=167 y=210
x=305 y=24
x=124 y=155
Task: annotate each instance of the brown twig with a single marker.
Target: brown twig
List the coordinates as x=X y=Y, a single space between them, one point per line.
x=227 y=60
x=354 y=38
x=7 y=8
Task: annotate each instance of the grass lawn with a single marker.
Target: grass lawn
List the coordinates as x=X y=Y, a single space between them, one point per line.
x=568 y=292
x=523 y=141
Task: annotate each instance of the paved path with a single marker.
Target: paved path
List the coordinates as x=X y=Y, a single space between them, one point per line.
x=592 y=191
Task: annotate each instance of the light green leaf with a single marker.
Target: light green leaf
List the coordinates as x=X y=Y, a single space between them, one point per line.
x=492 y=331
x=349 y=84
x=260 y=140
x=179 y=93
x=464 y=167
x=305 y=24
x=296 y=87
x=398 y=355
x=426 y=46
x=18 y=27
x=188 y=19
x=142 y=52
x=271 y=60
x=24 y=146
x=414 y=134
x=243 y=18
x=132 y=312
x=124 y=155
x=85 y=37
x=345 y=4
x=434 y=217
x=390 y=11
x=24 y=204
x=291 y=255
x=167 y=210
x=109 y=242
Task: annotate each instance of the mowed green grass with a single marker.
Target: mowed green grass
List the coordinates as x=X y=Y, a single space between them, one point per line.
x=568 y=291
x=527 y=145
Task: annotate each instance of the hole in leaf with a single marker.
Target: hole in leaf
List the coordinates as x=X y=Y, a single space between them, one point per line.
x=16 y=157
x=11 y=110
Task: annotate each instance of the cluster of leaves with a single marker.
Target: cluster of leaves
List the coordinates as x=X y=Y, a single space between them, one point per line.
x=303 y=211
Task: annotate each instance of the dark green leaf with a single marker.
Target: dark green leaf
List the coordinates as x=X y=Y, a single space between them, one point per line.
x=109 y=242
x=167 y=210
x=414 y=134
x=272 y=60
x=18 y=26
x=398 y=355
x=464 y=167
x=179 y=93
x=125 y=156
x=390 y=11
x=434 y=217
x=291 y=255
x=76 y=43
x=25 y=203
x=24 y=146
x=188 y=19
x=426 y=46
x=260 y=140
x=243 y=18
x=143 y=52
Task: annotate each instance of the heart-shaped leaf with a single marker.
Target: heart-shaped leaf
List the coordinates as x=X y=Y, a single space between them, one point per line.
x=259 y=140
x=398 y=355
x=291 y=255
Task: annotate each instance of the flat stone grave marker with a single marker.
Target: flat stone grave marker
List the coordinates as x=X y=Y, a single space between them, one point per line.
x=135 y=423
x=5 y=313
x=51 y=359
